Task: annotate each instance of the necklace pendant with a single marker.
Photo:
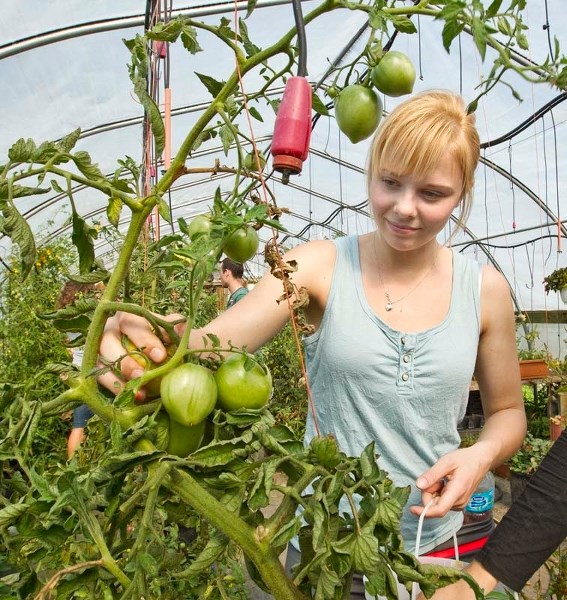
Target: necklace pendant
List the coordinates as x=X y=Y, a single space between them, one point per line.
x=388 y=306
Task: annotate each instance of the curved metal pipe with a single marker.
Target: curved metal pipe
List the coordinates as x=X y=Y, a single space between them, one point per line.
x=102 y=25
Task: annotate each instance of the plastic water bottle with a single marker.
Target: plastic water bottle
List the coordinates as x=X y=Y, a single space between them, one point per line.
x=480 y=504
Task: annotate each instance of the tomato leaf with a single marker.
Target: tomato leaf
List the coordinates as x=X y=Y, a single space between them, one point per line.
x=250 y=48
x=480 y=36
x=10 y=513
x=128 y=460
x=319 y=105
x=113 y=210
x=286 y=533
x=164 y=212
x=227 y=137
x=22 y=150
x=221 y=453
x=493 y=9
x=165 y=32
x=189 y=39
x=83 y=240
x=153 y=113
x=451 y=30
x=211 y=84
x=402 y=23
x=67 y=143
x=18 y=230
x=254 y=112
x=250 y=7
x=213 y=550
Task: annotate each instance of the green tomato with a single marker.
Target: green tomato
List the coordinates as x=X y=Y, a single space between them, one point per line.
x=358 y=111
x=179 y=440
x=189 y=393
x=242 y=244
x=183 y=439
x=332 y=91
x=200 y=225
x=242 y=383
x=394 y=75
x=250 y=161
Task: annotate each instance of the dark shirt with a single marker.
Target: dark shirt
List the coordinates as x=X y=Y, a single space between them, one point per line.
x=236 y=296
x=535 y=525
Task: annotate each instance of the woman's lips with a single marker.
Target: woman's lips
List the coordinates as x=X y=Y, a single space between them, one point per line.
x=404 y=229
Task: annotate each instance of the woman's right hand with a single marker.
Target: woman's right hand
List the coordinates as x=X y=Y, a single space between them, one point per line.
x=140 y=333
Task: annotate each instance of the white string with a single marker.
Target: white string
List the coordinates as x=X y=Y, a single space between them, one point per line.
x=415 y=586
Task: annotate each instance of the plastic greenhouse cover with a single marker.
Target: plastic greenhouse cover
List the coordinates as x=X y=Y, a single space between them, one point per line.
x=55 y=80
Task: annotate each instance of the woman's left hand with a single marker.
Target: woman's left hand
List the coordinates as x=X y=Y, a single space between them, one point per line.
x=451 y=481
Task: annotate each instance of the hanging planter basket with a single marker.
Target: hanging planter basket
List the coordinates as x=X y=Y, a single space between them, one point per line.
x=557 y=282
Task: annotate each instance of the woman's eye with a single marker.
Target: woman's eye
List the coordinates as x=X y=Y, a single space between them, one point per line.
x=389 y=182
x=431 y=194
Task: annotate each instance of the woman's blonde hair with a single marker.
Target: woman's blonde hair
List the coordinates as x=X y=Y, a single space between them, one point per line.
x=418 y=132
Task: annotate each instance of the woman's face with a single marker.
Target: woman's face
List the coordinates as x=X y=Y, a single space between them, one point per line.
x=411 y=210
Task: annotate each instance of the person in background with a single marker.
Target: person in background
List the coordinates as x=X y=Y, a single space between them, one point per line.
x=534 y=526
x=70 y=293
x=401 y=323
x=231 y=277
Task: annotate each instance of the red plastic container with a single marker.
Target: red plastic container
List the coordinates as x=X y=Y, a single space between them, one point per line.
x=292 y=130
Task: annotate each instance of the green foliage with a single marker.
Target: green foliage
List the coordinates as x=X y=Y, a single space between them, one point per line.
x=289 y=400
x=556 y=566
x=529 y=346
x=28 y=342
x=536 y=402
x=528 y=458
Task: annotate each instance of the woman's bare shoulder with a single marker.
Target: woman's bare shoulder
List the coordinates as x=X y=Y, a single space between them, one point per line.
x=312 y=260
x=494 y=283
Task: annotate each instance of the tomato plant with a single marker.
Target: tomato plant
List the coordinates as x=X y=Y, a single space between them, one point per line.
x=358 y=111
x=394 y=75
x=188 y=393
x=242 y=244
x=242 y=382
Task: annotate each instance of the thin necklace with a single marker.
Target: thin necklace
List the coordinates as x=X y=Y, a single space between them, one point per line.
x=389 y=302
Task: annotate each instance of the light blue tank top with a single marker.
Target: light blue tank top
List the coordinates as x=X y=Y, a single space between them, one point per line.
x=406 y=391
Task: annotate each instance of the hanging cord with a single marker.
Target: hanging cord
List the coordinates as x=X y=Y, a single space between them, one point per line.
x=559 y=236
x=293 y=318
x=547 y=29
x=512 y=186
x=419 y=51
x=301 y=39
x=460 y=65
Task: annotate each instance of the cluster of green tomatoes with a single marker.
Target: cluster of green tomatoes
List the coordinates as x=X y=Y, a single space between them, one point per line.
x=190 y=392
x=358 y=109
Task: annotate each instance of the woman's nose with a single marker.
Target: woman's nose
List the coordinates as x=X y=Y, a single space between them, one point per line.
x=405 y=204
